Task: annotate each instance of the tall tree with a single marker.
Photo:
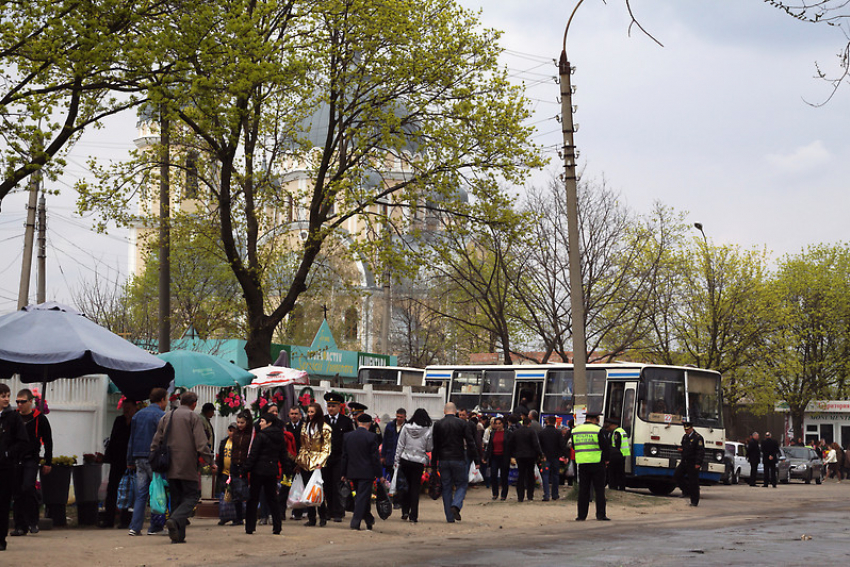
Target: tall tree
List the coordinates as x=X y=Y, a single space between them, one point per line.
x=366 y=106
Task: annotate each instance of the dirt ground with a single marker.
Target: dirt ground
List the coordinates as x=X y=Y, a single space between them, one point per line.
x=487 y=526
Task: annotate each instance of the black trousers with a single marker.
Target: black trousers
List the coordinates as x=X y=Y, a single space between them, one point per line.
x=362 y=502
x=591 y=475
x=413 y=475
x=116 y=473
x=617 y=474
x=525 y=478
x=753 y=472
x=770 y=472
x=332 y=475
x=686 y=478
x=267 y=485
x=499 y=469
x=26 y=497
x=6 y=485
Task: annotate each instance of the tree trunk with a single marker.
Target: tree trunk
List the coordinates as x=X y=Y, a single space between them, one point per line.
x=797 y=415
x=259 y=345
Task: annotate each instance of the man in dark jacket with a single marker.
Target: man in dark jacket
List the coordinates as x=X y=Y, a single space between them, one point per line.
x=524 y=446
x=13 y=444
x=754 y=457
x=453 y=444
x=116 y=456
x=332 y=471
x=554 y=446
x=39 y=434
x=770 y=456
x=361 y=464
x=391 y=433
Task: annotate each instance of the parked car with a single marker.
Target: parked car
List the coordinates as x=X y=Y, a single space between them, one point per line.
x=805 y=464
x=783 y=468
x=737 y=465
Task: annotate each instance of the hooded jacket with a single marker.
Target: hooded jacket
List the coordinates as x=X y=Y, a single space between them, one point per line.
x=414 y=442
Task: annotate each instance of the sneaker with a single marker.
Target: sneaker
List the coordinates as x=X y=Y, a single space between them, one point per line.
x=34 y=529
x=134 y=533
x=153 y=531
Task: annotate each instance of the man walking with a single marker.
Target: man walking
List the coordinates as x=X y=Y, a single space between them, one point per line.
x=620 y=451
x=361 y=464
x=188 y=444
x=591 y=447
x=453 y=444
x=391 y=433
x=554 y=446
x=142 y=429
x=770 y=455
x=693 y=453
x=38 y=432
x=13 y=444
x=332 y=471
x=754 y=457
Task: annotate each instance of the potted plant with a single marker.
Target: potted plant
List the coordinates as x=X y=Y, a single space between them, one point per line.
x=55 y=487
x=87 y=479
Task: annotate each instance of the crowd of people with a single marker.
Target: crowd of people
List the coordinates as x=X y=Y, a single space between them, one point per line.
x=257 y=463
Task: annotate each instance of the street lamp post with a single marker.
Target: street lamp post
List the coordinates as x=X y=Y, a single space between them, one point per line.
x=712 y=283
x=571 y=186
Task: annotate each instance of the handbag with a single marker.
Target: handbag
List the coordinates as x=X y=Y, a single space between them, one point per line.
x=127 y=490
x=239 y=488
x=226 y=507
x=160 y=458
x=383 y=505
x=435 y=486
x=346 y=496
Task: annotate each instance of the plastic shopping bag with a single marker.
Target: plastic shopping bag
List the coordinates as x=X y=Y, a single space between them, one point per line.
x=295 y=492
x=127 y=490
x=394 y=481
x=538 y=478
x=159 y=500
x=314 y=492
x=475 y=475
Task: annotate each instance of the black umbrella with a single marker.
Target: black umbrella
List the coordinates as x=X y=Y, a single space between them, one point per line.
x=48 y=341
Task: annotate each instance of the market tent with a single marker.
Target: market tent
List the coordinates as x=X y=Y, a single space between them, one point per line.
x=45 y=342
x=273 y=376
x=198 y=368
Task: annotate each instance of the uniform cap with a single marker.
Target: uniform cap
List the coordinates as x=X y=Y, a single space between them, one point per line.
x=334 y=397
x=357 y=406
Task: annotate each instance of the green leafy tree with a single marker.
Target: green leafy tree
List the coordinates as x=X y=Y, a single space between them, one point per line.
x=808 y=355
x=338 y=119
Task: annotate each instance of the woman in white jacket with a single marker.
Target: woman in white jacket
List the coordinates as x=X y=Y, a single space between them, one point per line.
x=411 y=455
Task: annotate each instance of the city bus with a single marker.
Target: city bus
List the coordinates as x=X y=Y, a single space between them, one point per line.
x=393 y=375
x=648 y=401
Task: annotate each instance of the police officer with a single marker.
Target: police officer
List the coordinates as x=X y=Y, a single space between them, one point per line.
x=357 y=410
x=693 y=453
x=591 y=446
x=620 y=451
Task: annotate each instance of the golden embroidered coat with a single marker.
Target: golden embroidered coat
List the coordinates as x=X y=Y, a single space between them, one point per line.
x=315 y=448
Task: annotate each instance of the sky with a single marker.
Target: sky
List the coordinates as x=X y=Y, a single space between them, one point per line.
x=718 y=123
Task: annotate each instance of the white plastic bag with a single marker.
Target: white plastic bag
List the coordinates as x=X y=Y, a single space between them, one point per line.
x=295 y=492
x=393 y=481
x=314 y=492
x=475 y=475
x=538 y=478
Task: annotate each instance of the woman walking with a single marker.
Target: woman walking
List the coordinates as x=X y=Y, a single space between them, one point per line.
x=268 y=455
x=414 y=442
x=314 y=453
x=496 y=457
x=524 y=446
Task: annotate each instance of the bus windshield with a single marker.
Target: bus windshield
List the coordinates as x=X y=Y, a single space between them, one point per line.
x=662 y=396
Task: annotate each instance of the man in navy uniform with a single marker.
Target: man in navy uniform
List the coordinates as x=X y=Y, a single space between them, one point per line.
x=357 y=409
x=361 y=464
x=332 y=471
x=693 y=453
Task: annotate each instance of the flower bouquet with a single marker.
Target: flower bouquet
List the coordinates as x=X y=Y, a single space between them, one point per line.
x=229 y=401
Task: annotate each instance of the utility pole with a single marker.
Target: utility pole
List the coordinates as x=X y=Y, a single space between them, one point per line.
x=29 y=236
x=164 y=236
x=41 y=267
x=571 y=186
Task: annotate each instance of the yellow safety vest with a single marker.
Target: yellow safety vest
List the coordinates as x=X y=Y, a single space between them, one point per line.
x=625 y=449
x=586 y=443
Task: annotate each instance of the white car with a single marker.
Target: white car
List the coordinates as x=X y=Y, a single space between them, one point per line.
x=737 y=464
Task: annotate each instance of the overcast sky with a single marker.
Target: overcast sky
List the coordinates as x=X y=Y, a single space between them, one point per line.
x=715 y=123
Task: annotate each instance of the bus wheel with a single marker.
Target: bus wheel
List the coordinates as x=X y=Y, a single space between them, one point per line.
x=661 y=488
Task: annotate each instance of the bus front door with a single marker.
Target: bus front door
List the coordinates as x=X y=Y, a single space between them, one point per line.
x=528 y=394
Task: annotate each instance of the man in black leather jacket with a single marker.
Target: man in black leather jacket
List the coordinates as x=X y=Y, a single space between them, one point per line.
x=453 y=444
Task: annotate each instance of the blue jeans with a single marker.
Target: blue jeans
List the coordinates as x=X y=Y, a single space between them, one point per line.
x=550 y=474
x=454 y=476
x=143 y=483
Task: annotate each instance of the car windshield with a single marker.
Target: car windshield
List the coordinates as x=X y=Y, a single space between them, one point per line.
x=797 y=452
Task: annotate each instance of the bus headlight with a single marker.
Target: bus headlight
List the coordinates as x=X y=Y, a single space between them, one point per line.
x=653 y=451
x=718 y=456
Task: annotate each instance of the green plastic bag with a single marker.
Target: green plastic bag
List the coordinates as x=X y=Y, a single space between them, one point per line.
x=159 y=500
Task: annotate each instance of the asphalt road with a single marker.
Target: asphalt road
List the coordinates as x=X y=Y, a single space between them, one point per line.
x=794 y=524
